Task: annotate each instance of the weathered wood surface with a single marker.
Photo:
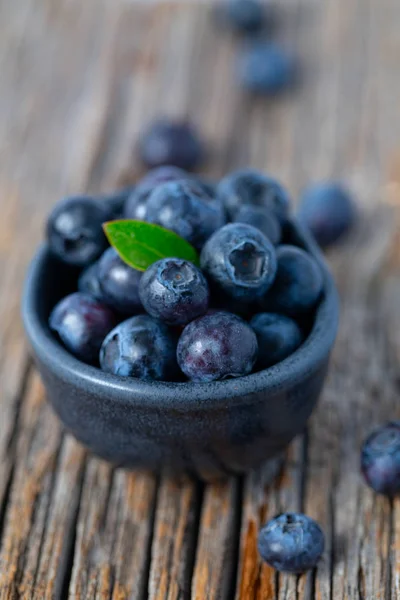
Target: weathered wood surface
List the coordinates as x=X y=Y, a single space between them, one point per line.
x=79 y=81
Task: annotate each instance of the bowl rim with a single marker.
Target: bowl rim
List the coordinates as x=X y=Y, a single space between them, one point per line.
x=304 y=361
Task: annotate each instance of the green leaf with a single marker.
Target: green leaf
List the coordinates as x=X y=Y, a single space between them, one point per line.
x=140 y=244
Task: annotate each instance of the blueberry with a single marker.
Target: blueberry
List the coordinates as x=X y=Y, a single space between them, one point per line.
x=168 y=142
x=140 y=347
x=136 y=203
x=242 y=16
x=184 y=207
x=82 y=323
x=328 y=210
x=298 y=284
x=119 y=283
x=88 y=282
x=291 y=542
x=240 y=260
x=115 y=201
x=174 y=291
x=74 y=230
x=262 y=219
x=264 y=68
x=252 y=187
x=217 y=346
x=278 y=336
x=380 y=459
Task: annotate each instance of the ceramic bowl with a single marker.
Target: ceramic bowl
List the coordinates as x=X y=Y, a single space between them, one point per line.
x=206 y=429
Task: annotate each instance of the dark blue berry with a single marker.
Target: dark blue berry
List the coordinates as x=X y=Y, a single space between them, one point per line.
x=140 y=347
x=115 y=201
x=265 y=68
x=184 y=207
x=242 y=16
x=88 y=282
x=380 y=459
x=262 y=219
x=252 y=187
x=298 y=283
x=291 y=543
x=168 y=142
x=278 y=337
x=74 y=230
x=240 y=260
x=82 y=323
x=174 y=291
x=327 y=209
x=136 y=203
x=217 y=346
x=119 y=283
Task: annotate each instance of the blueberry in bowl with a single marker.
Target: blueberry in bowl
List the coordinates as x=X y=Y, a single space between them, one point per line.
x=178 y=383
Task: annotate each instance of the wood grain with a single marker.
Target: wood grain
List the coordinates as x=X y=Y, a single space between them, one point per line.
x=79 y=83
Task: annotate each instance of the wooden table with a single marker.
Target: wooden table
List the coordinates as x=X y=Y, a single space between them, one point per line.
x=79 y=80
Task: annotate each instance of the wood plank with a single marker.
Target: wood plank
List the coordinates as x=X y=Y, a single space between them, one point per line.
x=215 y=566
x=174 y=540
x=42 y=505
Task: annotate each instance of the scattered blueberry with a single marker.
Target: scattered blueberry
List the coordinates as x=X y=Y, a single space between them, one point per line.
x=262 y=219
x=240 y=260
x=242 y=16
x=217 y=346
x=140 y=347
x=82 y=323
x=136 y=203
x=115 y=201
x=298 y=283
x=119 y=283
x=248 y=186
x=74 y=230
x=291 y=543
x=88 y=282
x=278 y=336
x=184 y=207
x=174 y=291
x=266 y=69
x=380 y=459
x=163 y=174
x=171 y=143
x=328 y=210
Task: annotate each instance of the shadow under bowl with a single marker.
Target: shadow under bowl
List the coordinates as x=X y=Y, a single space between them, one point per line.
x=210 y=430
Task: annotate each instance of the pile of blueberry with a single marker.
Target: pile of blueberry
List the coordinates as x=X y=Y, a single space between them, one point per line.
x=241 y=308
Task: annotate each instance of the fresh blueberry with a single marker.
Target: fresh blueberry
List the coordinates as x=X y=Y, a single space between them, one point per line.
x=74 y=230
x=115 y=201
x=262 y=219
x=380 y=459
x=88 y=282
x=278 y=337
x=252 y=187
x=168 y=142
x=136 y=203
x=291 y=542
x=266 y=69
x=298 y=284
x=82 y=323
x=217 y=346
x=242 y=16
x=140 y=347
x=174 y=291
x=119 y=283
x=240 y=260
x=328 y=210
x=184 y=207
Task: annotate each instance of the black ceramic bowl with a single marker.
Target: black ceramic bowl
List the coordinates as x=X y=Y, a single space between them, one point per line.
x=207 y=429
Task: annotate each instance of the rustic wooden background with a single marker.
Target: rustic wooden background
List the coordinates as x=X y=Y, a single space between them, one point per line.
x=79 y=80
